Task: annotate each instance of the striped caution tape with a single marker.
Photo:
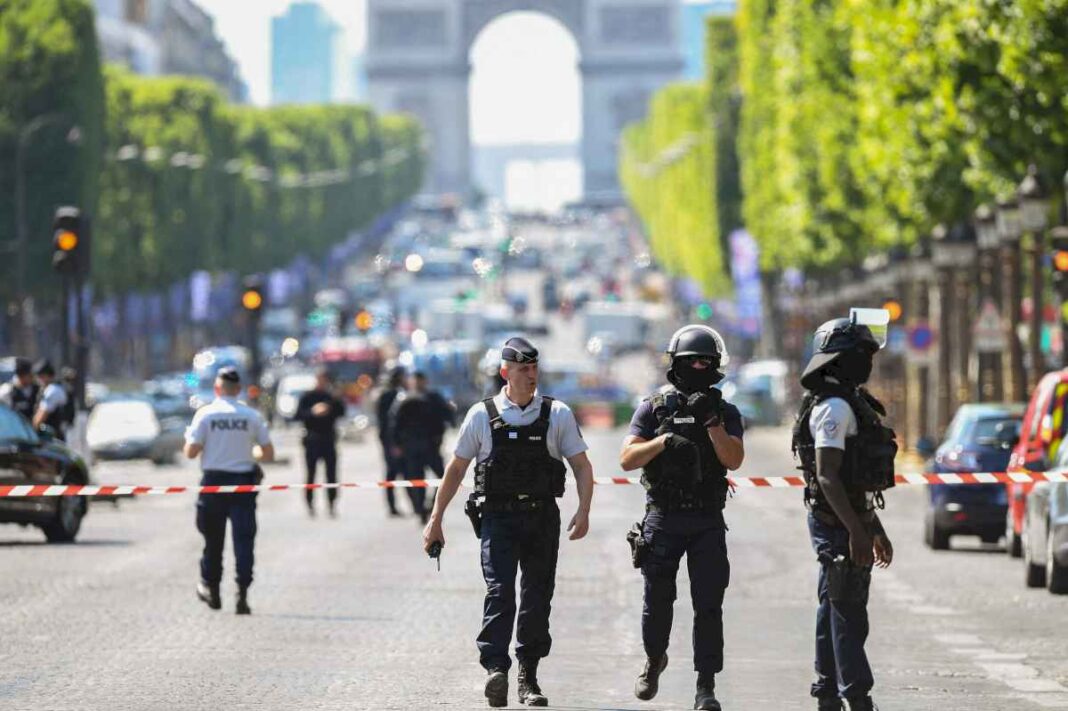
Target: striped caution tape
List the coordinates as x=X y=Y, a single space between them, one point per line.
x=772 y=482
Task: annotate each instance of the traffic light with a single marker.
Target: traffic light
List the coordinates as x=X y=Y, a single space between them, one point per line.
x=71 y=242
x=364 y=321
x=252 y=296
x=894 y=308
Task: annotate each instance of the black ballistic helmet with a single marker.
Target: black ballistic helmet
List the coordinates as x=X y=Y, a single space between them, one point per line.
x=698 y=340
x=835 y=337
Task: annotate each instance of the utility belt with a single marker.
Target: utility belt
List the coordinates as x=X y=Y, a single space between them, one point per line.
x=476 y=507
x=220 y=477
x=697 y=505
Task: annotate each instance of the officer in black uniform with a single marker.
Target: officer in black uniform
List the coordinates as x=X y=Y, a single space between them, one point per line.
x=417 y=424
x=21 y=393
x=390 y=453
x=318 y=410
x=685 y=437
x=519 y=439
x=847 y=457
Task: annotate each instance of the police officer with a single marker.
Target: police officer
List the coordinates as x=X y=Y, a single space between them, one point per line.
x=418 y=420
x=21 y=392
x=685 y=438
x=52 y=402
x=319 y=410
x=847 y=456
x=518 y=438
x=390 y=454
x=225 y=432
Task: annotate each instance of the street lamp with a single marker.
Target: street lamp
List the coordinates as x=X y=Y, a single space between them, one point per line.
x=1033 y=212
x=1009 y=230
x=989 y=358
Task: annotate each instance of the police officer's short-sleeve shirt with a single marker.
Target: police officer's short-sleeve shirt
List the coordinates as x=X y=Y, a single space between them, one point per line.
x=644 y=423
x=53 y=398
x=475 y=439
x=227 y=429
x=831 y=422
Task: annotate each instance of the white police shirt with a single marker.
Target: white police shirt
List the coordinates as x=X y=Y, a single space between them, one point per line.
x=53 y=398
x=475 y=440
x=227 y=429
x=831 y=422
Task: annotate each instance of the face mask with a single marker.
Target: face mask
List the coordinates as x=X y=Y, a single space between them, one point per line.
x=854 y=367
x=692 y=380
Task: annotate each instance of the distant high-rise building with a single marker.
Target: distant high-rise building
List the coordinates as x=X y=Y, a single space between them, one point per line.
x=359 y=79
x=304 y=55
x=154 y=37
x=693 y=33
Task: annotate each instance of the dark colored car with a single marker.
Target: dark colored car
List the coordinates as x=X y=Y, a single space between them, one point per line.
x=980 y=438
x=36 y=459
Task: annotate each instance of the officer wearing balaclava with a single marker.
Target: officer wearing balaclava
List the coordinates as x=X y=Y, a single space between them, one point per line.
x=685 y=438
x=847 y=457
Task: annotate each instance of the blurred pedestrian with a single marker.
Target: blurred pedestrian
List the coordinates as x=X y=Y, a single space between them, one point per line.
x=21 y=392
x=52 y=403
x=519 y=439
x=847 y=456
x=685 y=438
x=318 y=410
x=394 y=387
x=418 y=421
x=226 y=432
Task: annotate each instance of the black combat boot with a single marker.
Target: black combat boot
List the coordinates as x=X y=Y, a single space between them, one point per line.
x=209 y=594
x=830 y=703
x=862 y=703
x=706 y=694
x=242 y=607
x=649 y=680
x=497 y=688
x=529 y=691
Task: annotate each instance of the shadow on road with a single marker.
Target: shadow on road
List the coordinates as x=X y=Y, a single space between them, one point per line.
x=76 y=544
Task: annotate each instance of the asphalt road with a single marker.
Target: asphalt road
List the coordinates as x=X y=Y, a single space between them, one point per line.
x=349 y=613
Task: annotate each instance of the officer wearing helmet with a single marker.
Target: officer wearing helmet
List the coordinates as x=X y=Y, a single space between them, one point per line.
x=685 y=438
x=847 y=456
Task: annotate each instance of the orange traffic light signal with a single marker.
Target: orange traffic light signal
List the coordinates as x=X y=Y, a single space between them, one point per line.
x=66 y=240
x=364 y=321
x=1060 y=260
x=70 y=242
x=252 y=299
x=894 y=308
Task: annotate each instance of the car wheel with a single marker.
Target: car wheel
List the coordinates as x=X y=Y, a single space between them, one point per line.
x=68 y=521
x=1013 y=544
x=1034 y=575
x=1056 y=575
x=937 y=537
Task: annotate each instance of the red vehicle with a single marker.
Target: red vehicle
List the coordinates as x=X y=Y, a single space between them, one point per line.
x=1040 y=437
x=354 y=365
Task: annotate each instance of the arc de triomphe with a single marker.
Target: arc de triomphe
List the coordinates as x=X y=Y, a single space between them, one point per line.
x=418 y=62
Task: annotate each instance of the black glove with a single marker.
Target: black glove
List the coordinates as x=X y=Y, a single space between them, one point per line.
x=677 y=444
x=707 y=407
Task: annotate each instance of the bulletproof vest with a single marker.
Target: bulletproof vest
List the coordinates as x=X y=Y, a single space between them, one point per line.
x=23 y=403
x=868 y=462
x=519 y=463
x=674 y=481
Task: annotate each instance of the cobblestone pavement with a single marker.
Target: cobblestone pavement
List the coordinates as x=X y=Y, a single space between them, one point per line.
x=349 y=614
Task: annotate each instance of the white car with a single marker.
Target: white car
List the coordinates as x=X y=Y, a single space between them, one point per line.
x=290 y=389
x=130 y=429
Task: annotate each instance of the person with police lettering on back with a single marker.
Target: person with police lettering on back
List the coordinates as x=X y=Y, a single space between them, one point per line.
x=21 y=392
x=685 y=438
x=847 y=457
x=224 y=434
x=519 y=439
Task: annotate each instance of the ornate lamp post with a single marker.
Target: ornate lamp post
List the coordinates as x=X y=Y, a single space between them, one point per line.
x=991 y=378
x=1008 y=220
x=1033 y=211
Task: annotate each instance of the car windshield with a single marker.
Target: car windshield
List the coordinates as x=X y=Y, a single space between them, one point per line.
x=13 y=428
x=992 y=430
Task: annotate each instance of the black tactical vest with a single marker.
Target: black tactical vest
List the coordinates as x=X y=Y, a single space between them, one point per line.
x=868 y=463
x=25 y=402
x=57 y=419
x=676 y=484
x=519 y=463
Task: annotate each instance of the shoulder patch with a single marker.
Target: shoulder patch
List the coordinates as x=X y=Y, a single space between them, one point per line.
x=830 y=427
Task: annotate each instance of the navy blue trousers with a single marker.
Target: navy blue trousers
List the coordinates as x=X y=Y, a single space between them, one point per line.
x=417 y=458
x=702 y=538
x=213 y=511
x=842 y=667
x=316 y=449
x=511 y=541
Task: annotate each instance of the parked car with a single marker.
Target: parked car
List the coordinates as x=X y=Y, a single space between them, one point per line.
x=980 y=438
x=131 y=429
x=1045 y=533
x=1040 y=438
x=31 y=458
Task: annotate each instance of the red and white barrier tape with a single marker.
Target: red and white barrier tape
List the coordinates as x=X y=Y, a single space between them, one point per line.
x=772 y=482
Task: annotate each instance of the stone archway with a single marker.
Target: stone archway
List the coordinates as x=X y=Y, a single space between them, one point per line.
x=417 y=62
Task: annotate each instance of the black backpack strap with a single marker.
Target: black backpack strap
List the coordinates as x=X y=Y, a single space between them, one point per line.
x=546 y=408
